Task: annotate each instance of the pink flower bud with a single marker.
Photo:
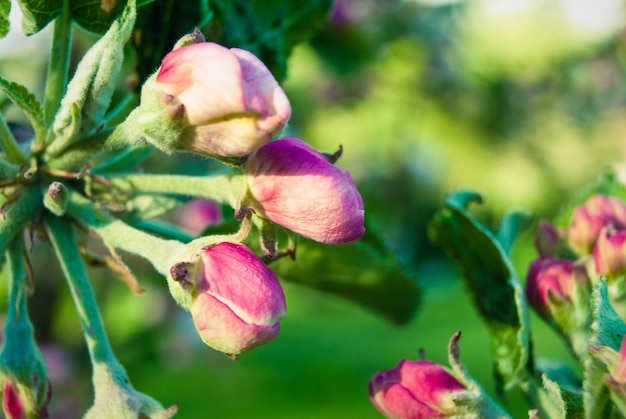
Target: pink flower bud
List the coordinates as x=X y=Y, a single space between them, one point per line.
x=11 y=404
x=294 y=185
x=415 y=389
x=552 y=278
x=230 y=102
x=589 y=218
x=239 y=300
x=609 y=254
x=547 y=239
x=18 y=400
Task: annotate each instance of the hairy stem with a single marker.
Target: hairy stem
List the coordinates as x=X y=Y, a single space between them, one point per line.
x=56 y=81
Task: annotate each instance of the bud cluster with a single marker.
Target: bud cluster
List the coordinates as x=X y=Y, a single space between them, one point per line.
x=75 y=175
x=574 y=258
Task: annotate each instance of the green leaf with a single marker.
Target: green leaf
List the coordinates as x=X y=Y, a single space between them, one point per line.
x=495 y=289
x=268 y=28
x=94 y=16
x=569 y=404
x=608 y=330
x=511 y=226
x=26 y=101
x=358 y=272
x=5 y=24
x=92 y=86
x=36 y=14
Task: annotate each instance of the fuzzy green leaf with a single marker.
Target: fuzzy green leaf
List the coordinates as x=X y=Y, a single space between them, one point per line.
x=488 y=274
x=94 y=16
x=28 y=103
x=608 y=330
x=569 y=404
x=358 y=272
x=90 y=91
x=268 y=28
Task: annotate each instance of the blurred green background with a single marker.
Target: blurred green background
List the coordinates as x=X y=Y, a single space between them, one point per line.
x=522 y=100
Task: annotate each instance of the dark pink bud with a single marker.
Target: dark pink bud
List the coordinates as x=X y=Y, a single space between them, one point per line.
x=239 y=300
x=547 y=239
x=415 y=389
x=609 y=253
x=552 y=278
x=12 y=404
x=230 y=102
x=589 y=218
x=294 y=185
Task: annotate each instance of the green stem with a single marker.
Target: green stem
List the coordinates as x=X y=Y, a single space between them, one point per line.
x=160 y=252
x=114 y=394
x=64 y=243
x=56 y=81
x=225 y=188
x=9 y=144
x=20 y=357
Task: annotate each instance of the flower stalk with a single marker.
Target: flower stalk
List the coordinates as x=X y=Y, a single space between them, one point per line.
x=115 y=395
x=56 y=80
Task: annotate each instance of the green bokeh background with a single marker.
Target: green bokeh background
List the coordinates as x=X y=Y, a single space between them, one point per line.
x=523 y=103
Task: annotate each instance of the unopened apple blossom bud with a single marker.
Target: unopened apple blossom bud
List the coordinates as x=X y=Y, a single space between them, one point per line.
x=11 y=404
x=221 y=102
x=547 y=239
x=56 y=198
x=294 y=185
x=589 y=218
x=551 y=280
x=19 y=400
x=239 y=301
x=415 y=389
x=609 y=253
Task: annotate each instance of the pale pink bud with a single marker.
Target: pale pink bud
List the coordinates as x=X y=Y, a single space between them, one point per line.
x=552 y=278
x=231 y=103
x=239 y=300
x=415 y=389
x=295 y=186
x=609 y=253
x=589 y=218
